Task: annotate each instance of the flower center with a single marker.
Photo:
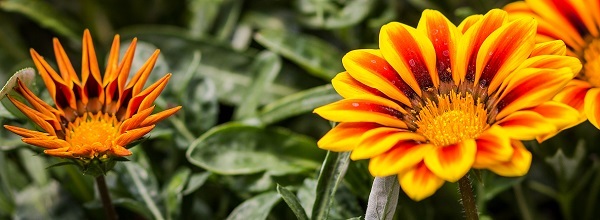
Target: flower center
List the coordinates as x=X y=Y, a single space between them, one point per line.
x=92 y=134
x=452 y=119
x=591 y=63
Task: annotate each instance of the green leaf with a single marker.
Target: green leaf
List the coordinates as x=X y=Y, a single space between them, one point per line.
x=137 y=182
x=332 y=173
x=292 y=202
x=203 y=15
x=196 y=181
x=173 y=192
x=44 y=14
x=45 y=202
x=35 y=166
x=316 y=56
x=255 y=208
x=566 y=167
x=494 y=184
x=329 y=15
x=265 y=67
x=383 y=198
x=8 y=202
x=296 y=104
x=232 y=149
x=27 y=76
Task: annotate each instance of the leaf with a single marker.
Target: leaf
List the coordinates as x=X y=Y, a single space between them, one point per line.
x=328 y=15
x=196 y=181
x=292 y=202
x=255 y=208
x=44 y=14
x=35 y=166
x=173 y=192
x=332 y=173
x=383 y=198
x=203 y=15
x=314 y=55
x=494 y=184
x=298 y=103
x=137 y=181
x=265 y=67
x=8 y=202
x=566 y=167
x=45 y=202
x=233 y=149
x=27 y=76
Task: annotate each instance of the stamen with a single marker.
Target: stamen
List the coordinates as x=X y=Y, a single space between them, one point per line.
x=591 y=66
x=452 y=119
x=91 y=135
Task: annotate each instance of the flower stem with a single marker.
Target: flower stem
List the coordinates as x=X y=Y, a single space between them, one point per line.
x=468 y=199
x=106 y=202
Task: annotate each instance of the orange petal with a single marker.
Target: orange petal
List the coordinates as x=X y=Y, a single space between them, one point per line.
x=139 y=79
x=367 y=109
x=60 y=152
x=371 y=69
x=37 y=117
x=345 y=136
x=349 y=87
x=59 y=90
x=574 y=95
x=411 y=54
x=64 y=65
x=120 y=151
x=526 y=125
x=48 y=142
x=530 y=87
x=110 y=74
x=553 y=62
x=453 y=161
x=493 y=146
x=468 y=23
x=155 y=118
x=379 y=140
x=555 y=47
x=26 y=133
x=444 y=37
x=592 y=106
x=89 y=65
x=419 y=183
x=503 y=51
x=132 y=135
x=471 y=41
x=559 y=114
x=146 y=98
x=135 y=120
x=518 y=165
x=399 y=159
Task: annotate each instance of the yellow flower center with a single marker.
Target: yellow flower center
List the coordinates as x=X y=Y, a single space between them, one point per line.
x=92 y=135
x=452 y=119
x=591 y=63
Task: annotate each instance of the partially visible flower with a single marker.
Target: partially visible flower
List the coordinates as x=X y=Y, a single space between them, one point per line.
x=95 y=117
x=577 y=23
x=435 y=101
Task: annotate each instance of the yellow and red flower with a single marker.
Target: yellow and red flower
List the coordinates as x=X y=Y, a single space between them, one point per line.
x=437 y=100
x=95 y=117
x=577 y=23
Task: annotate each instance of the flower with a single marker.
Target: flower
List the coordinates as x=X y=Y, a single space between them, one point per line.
x=435 y=101
x=95 y=117
x=577 y=23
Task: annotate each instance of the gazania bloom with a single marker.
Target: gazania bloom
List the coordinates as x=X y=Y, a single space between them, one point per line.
x=435 y=101
x=95 y=117
x=577 y=23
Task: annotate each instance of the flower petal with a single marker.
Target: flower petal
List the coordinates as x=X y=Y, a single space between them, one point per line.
x=411 y=54
x=379 y=140
x=453 y=161
x=371 y=69
x=399 y=159
x=592 y=106
x=349 y=87
x=574 y=95
x=493 y=146
x=555 y=47
x=526 y=125
x=530 y=87
x=155 y=118
x=444 y=37
x=518 y=165
x=345 y=136
x=367 y=109
x=553 y=62
x=419 y=183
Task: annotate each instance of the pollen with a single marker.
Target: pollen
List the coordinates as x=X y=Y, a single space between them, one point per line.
x=92 y=135
x=451 y=119
x=591 y=66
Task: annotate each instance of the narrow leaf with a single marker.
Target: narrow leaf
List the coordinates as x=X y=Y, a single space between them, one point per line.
x=316 y=56
x=195 y=182
x=293 y=202
x=43 y=13
x=331 y=175
x=173 y=192
x=383 y=198
x=256 y=208
x=265 y=67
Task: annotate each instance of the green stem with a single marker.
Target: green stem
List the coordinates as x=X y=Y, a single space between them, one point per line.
x=525 y=214
x=467 y=197
x=111 y=214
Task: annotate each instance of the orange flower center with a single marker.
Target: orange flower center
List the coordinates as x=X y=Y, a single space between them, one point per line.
x=452 y=119
x=591 y=63
x=92 y=134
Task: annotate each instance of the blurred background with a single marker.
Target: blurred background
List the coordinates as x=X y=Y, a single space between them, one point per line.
x=248 y=74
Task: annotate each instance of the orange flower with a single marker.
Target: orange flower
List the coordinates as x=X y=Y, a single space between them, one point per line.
x=577 y=23
x=435 y=101
x=95 y=117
